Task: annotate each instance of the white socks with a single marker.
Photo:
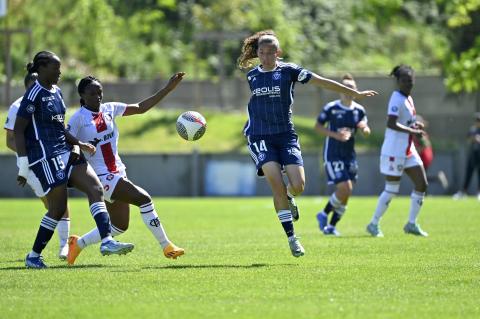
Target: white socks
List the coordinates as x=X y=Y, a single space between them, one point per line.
x=150 y=218
x=415 y=205
x=382 y=206
x=63 y=230
x=93 y=237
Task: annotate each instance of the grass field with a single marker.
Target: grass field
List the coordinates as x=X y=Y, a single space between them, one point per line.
x=238 y=265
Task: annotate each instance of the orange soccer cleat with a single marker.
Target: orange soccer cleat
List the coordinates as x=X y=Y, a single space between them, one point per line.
x=172 y=251
x=73 y=249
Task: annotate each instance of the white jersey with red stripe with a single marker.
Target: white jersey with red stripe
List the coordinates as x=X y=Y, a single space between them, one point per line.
x=396 y=143
x=99 y=129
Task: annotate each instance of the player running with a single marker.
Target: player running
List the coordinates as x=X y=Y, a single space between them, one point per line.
x=95 y=122
x=63 y=227
x=42 y=146
x=398 y=154
x=344 y=118
x=272 y=141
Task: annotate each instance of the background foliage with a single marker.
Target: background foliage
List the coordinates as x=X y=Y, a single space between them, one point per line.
x=147 y=38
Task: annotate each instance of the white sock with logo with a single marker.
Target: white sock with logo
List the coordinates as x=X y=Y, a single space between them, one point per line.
x=150 y=218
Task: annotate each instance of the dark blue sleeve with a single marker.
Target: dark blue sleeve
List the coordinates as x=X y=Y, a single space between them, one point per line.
x=299 y=74
x=27 y=108
x=323 y=117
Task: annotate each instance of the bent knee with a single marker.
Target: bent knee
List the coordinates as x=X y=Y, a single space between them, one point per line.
x=95 y=192
x=297 y=187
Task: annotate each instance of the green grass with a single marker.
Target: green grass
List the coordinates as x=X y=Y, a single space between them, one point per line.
x=238 y=265
x=155 y=132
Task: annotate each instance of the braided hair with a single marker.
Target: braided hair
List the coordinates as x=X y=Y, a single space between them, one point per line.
x=399 y=69
x=42 y=58
x=82 y=85
x=251 y=44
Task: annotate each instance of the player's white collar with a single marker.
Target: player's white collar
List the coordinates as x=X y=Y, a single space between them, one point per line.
x=263 y=71
x=351 y=107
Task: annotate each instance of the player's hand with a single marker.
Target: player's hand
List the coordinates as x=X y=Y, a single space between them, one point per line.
x=343 y=135
x=418 y=132
x=22 y=163
x=367 y=93
x=21 y=181
x=174 y=80
x=87 y=147
x=366 y=131
x=419 y=125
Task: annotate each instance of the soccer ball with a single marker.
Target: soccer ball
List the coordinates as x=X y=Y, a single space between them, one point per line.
x=191 y=125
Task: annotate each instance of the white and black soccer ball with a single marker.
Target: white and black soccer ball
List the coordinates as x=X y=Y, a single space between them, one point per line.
x=191 y=125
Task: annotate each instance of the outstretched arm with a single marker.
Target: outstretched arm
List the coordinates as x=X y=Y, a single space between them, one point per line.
x=338 y=87
x=151 y=101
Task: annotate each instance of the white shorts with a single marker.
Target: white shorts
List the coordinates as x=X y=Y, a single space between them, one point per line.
x=109 y=182
x=35 y=184
x=394 y=166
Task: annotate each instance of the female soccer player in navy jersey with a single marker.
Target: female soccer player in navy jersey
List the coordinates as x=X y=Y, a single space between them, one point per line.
x=63 y=226
x=95 y=122
x=43 y=146
x=344 y=118
x=272 y=141
x=398 y=154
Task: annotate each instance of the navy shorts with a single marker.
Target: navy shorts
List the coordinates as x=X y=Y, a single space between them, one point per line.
x=280 y=148
x=55 y=171
x=341 y=170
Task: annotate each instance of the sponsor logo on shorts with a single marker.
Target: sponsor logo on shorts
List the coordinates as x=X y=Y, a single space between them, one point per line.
x=261 y=156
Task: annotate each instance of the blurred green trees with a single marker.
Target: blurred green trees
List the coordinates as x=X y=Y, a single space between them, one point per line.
x=149 y=38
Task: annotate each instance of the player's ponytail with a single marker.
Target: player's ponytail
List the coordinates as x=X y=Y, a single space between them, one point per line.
x=399 y=69
x=29 y=78
x=41 y=58
x=82 y=85
x=251 y=44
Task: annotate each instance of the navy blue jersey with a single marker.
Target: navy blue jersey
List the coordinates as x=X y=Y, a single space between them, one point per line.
x=45 y=134
x=340 y=117
x=269 y=109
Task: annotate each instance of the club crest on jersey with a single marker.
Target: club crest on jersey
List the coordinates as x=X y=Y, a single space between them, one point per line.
x=394 y=108
x=60 y=174
x=252 y=78
x=30 y=108
x=107 y=117
x=277 y=76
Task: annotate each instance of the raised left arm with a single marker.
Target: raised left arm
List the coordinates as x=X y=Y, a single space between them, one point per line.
x=148 y=103
x=333 y=85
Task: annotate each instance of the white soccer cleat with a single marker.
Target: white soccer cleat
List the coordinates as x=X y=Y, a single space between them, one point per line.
x=459 y=195
x=295 y=247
